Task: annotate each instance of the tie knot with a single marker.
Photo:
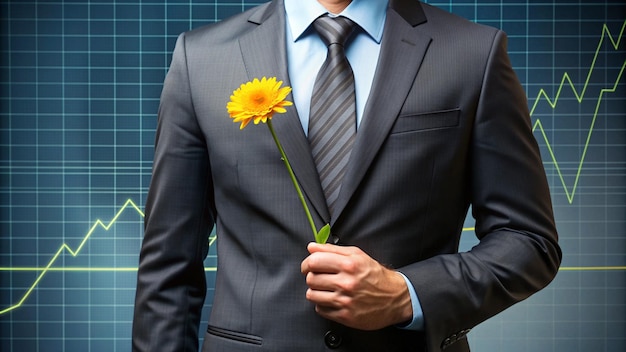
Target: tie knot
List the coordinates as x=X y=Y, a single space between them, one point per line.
x=334 y=30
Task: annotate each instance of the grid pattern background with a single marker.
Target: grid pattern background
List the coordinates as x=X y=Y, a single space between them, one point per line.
x=79 y=87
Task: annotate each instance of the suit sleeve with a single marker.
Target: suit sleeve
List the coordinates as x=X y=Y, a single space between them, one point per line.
x=171 y=283
x=518 y=253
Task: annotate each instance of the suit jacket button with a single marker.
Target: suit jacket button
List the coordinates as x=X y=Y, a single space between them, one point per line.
x=332 y=339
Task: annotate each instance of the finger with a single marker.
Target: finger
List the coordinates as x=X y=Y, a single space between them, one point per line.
x=332 y=313
x=322 y=262
x=322 y=282
x=325 y=299
x=330 y=248
x=335 y=313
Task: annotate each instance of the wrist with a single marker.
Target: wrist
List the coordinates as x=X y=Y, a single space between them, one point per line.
x=404 y=307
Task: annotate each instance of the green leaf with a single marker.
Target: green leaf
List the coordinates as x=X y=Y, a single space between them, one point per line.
x=323 y=234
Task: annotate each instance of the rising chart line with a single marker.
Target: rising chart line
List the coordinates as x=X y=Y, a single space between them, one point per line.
x=566 y=80
x=129 y=204
x=74 y=252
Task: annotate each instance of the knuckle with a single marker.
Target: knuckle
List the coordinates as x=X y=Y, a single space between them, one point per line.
x=345 y=302
x=348 y=285
x=349 y=265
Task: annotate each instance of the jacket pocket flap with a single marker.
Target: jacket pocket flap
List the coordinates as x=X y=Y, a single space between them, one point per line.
x=234 y=335
x=427 y=121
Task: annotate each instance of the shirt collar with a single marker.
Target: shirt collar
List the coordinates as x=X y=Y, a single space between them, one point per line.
x=368 y=14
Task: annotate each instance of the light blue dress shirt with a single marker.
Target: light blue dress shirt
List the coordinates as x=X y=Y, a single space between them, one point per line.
x=306 y=53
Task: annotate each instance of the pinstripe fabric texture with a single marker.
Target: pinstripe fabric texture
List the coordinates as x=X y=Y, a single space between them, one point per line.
x=332 y=125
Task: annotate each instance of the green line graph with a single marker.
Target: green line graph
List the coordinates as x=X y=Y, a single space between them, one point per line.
x=566 y=80
x=131 y=205
x=74 y=252
x=128 y=205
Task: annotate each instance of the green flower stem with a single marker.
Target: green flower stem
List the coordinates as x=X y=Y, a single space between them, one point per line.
x=293 y=178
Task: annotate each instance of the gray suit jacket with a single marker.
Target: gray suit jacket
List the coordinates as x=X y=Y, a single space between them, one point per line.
x=446 y=126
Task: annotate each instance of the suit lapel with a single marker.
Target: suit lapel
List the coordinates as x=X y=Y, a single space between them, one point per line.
x=401 y=55
x=263 y=55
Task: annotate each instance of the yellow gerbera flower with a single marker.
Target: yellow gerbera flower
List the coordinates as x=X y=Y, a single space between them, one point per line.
x=257 y=101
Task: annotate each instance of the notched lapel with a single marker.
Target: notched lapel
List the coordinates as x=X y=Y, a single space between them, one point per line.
x=403 y=49
x=263 y=55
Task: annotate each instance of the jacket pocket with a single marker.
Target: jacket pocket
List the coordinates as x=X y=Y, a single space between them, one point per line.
x=427 y=121
x=234 y=335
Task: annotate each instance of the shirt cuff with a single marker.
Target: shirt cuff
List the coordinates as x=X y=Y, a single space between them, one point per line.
x=417 y=324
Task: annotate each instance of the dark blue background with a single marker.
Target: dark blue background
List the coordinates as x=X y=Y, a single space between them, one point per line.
x=78 y=98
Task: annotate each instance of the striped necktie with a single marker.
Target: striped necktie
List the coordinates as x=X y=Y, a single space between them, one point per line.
x=332 y=124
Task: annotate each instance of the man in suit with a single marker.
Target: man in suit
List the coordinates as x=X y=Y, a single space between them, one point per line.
x=442 y=124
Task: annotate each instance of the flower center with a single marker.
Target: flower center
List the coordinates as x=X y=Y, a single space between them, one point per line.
x=259 y=98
